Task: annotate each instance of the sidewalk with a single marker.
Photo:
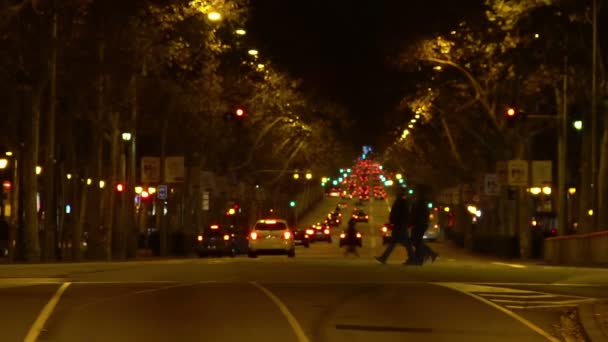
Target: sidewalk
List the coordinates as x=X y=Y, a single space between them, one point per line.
x=594 y=319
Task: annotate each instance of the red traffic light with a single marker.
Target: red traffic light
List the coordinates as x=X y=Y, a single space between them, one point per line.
x=239 y=112
x=7 y=185
x=511 y=112
x=120 y=187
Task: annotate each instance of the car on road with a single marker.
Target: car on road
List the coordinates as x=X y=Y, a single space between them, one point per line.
x=271 y=236
x=358 y=237
x=387 y=233
x=360 y=216
x=301 y=237
x=215 y=240
x=334 y=218
x=320 y=232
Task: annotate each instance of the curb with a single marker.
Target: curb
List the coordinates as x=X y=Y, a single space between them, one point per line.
x=591 y=326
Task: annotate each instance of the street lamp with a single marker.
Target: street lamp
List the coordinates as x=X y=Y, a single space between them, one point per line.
x=253 y=52
x=296 y=176
x=68 y=176
x=214 y=16
x=3 y=163
x=38 y=170
x=126 y=136
x=240 y=32
x=535 y=190
x=89 y=181
x=572 y=191
x=547 y=190
x=309 y=176
x=578 y=125
x=102 y=184
x=139 y=190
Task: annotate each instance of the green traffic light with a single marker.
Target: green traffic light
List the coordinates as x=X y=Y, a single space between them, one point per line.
x=578 y=125
x=292 y=204
x=411 y=191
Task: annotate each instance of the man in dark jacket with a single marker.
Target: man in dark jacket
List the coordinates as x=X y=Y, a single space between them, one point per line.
x=398 y=218
x=351 y=238
x=419 y=220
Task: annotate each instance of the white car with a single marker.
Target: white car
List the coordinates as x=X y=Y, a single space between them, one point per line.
x=271 y=236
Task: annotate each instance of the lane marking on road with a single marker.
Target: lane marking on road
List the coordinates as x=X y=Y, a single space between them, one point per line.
x=461 y=288
x=30 y=281
x=44 y=315
x=293 y=322
x=509 y=265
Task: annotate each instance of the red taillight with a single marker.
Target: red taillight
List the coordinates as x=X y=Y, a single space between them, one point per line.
x=326 y=231
x=384 y=229
x=358 y=235
x=366 y=216
x=287 y=235
x=253 y=235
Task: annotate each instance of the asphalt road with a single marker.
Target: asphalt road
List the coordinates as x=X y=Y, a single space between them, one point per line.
x=318 y=296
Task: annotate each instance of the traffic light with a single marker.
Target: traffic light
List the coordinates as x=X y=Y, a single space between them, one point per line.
x=120 y=187
x=513 y=115
x=292 y=204
x=239 y=112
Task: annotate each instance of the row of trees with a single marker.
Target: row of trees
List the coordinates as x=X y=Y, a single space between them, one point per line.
x=76 y=74
x=517 y=54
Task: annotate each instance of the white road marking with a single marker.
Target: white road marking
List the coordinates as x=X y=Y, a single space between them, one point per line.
x=509 y=265
x=297 y=329
x=44 y=315
x=462 y=289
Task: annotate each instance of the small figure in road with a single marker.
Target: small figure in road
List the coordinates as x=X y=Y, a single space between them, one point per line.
x=399 y=218
x=419 y=220
x=351 y=238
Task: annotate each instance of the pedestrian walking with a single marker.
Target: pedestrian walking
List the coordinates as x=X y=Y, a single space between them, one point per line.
x=351 y=238
x=419 y=220
x=399 y=218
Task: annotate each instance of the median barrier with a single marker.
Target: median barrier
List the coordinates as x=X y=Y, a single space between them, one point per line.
x=579 y=249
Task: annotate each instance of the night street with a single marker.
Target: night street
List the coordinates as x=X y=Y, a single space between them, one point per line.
x=318 y=296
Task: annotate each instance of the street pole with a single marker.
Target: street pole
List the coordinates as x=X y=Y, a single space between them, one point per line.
x=594 y=175
x=562 y=152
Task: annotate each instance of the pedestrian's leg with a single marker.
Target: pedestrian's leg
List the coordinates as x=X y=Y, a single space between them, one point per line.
x=387 y=252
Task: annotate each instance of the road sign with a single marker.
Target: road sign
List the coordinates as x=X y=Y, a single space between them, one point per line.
x=491 y=186
x=518 y=172
x=150 y=170
x=542 y=172
x=174 y=169
x=162 y=192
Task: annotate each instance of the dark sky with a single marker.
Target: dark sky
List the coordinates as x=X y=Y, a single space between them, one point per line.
x=340 y=48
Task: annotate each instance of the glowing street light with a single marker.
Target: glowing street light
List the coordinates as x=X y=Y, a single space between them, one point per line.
x=8 y=153
x=296 y=176
x=324 y=180
x=398 y=176
x=572 y=191
x=38 y=170
x=3 y=163
x=214 y=16
x=308 y=175
x=151 y=190
x=547 y=190
x=126 y=136
x=240 y=32
x=68 y=176
x=578 y=125
x=102 y=184
x=253 y=52
x=535 y=190
x=410 y=126
x=139 y=189
x=89 y=181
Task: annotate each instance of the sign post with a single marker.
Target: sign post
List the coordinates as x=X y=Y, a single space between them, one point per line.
x=162 y=192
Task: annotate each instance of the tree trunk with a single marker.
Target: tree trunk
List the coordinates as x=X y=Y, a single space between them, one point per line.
x=50 y=202
x=80 y=213
x=131 y=223
x=30 y=182
x=602 y=219
x=160 y=221
x=115 y=226
x=585 y=189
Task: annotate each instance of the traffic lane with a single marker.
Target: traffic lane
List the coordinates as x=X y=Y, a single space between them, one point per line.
x=175 y=312
x=396 y=312
x=19 y=307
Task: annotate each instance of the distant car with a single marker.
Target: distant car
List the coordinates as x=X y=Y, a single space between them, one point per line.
x=358 y=237
x=271 y=236
x=433 y=231
x=215 y=240
x=301 y=237
x=360 y=216
x=387 y=233
x=320 y=232
x=334 y=219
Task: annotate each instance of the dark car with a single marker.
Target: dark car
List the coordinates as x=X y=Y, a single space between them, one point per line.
x=216 y=240
x=301 y=237
x=334 y=219
x=387 y=233
x=360 y=216
x=358 y=239
x=320 y=232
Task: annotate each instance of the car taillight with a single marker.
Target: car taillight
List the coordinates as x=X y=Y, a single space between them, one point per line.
x=199 y=238
x=366 y=216
x=287 y=235
x=226 y=237
x=253 y=235
x=358 y=235
x=310 y=231
x=326 y=231
x=342 y=236
x=384 y=229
